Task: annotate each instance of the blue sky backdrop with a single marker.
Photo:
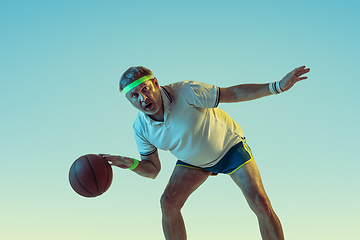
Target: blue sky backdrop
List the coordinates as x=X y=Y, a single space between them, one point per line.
x=60 y=62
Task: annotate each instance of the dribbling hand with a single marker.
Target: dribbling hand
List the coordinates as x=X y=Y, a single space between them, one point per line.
x=119 y=161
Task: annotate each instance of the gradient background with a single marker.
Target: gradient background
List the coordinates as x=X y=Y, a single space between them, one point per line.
x=60 y=62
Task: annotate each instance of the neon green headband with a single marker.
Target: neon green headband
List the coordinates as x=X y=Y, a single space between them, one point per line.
x=137 y=82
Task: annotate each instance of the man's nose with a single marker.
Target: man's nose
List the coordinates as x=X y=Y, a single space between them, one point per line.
x=142 y=97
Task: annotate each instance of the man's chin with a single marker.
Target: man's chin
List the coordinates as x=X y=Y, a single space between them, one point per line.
x=149 y=111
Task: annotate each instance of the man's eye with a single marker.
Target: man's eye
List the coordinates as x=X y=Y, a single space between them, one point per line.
x=135 y=95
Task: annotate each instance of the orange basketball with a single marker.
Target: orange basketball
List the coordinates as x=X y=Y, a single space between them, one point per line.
x=90 y=175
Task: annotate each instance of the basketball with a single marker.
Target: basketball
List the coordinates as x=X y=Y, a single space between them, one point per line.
x=90 y=175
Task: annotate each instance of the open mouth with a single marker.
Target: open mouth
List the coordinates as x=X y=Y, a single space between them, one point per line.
x=148 y=106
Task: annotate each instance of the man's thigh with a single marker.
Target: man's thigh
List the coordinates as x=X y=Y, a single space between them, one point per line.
x=249 y=180
x=183 y=182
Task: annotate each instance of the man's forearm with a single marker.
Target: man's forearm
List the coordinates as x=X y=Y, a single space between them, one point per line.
x=247 y=92
x=147 y=169
x=244 y=92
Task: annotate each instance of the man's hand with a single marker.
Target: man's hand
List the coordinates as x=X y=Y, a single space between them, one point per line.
x=293 y=77
x=119 y=161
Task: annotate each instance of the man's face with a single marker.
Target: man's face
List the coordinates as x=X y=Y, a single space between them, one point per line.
x=147 y=98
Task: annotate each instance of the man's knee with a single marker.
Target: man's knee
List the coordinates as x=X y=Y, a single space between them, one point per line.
x=261 y=205
x=169 y=203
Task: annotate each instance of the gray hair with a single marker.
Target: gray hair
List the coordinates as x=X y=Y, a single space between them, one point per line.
x=132 y=74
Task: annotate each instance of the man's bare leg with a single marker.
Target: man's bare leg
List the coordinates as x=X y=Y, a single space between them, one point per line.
x=249 y=180
x=182 y=183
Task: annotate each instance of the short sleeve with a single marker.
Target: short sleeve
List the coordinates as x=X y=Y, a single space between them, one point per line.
x=204 y=95
x=145 y=148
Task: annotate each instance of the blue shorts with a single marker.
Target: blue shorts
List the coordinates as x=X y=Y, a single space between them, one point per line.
x=239 y=155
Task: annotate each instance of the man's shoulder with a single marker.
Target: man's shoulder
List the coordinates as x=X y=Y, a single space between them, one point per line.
x=183 y=88
x=183 y=84
x=195 y=93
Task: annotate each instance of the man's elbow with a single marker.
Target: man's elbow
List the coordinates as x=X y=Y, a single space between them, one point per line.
x=153 y=175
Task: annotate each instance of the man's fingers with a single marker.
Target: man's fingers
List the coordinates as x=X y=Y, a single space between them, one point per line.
x=301 y=71
x=106 y=155
x=300 y=68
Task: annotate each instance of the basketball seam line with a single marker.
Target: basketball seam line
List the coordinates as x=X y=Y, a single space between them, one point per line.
x=107 y=174
x=92 y=169
x=77 y=177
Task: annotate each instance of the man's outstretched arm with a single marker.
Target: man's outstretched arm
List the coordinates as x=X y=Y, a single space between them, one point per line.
x=247 y=92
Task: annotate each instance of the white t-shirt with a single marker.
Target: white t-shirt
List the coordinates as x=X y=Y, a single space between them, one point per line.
x=194 y=129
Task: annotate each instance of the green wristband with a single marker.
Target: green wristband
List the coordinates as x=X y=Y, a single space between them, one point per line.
x=136 y=163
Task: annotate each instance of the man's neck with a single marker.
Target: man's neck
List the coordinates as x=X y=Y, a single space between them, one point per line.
x=159 y=116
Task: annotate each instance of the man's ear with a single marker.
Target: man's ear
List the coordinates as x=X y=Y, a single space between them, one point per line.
x=156 y=83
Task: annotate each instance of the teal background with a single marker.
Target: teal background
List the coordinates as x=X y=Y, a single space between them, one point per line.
x=60 y=62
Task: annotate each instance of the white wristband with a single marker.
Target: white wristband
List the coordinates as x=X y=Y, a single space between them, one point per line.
x=274 y=88
x=278 y=88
